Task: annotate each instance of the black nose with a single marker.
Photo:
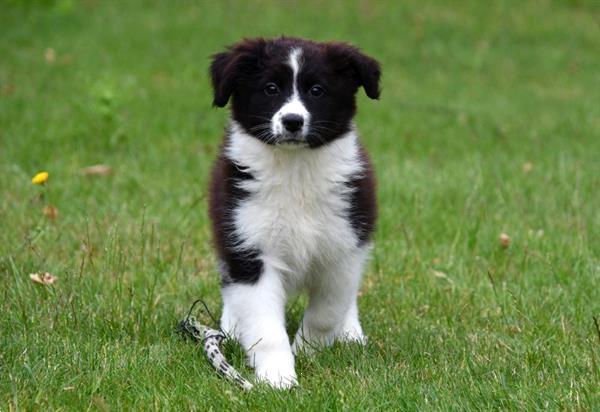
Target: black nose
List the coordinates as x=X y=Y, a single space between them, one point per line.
x=292 y=122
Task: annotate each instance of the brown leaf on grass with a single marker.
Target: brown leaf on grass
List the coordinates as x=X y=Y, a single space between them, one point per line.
x=50 y=55
x=100 y=403
x=7 y=89
x=441 y=275
x=527 y=167
x=101 y=170
x=43 y=278
x=66 y=59
x=50 y=212
x=504 y=240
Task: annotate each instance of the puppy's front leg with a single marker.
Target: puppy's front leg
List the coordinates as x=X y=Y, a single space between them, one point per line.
x=332 y=312
x=255 y=315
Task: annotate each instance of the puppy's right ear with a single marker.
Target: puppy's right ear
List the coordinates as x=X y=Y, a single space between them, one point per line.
x=221 y=73
x=228 y=68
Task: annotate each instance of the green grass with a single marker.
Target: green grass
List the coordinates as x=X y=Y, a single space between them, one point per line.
x=471 y=92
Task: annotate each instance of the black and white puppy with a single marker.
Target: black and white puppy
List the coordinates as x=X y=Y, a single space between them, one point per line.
x=292 y=195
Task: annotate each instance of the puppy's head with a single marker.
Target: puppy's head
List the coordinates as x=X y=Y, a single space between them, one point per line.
x=290 y=91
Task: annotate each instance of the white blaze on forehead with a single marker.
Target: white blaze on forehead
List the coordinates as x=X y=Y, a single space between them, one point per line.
x=293 y=105
x=295 y=62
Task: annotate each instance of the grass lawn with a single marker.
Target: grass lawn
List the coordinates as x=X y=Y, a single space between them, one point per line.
x=489 y=123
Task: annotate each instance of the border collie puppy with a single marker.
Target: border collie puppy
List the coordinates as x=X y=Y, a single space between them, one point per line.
x=292 y=198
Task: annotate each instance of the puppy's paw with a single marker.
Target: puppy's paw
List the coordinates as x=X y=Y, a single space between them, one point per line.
x=353 y=336
x=276 y=379
x=302 y=345
x=277 y=371
x=309 y=340
x=351 y=332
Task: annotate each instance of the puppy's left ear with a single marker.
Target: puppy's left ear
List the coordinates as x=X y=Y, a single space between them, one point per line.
x=365 y=70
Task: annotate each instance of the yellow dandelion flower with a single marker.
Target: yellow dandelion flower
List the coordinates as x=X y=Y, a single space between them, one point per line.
x=40 y=178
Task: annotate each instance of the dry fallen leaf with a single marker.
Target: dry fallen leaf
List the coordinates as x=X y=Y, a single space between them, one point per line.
x=441 y=275
x=101 y=170
x=43 y=278
x=50 y=55
x=527 y=167
x=7 y=89
x=504 y=240
x=50 y=212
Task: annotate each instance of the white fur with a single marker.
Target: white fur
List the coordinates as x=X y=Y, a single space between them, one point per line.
x=295 y=215
x=294 y=104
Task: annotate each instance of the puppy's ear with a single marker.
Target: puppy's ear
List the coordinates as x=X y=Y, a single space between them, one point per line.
x=349 y=60
x=228 y=68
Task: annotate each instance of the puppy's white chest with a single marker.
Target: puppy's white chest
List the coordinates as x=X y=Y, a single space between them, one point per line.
x=296 y=209
x=296 y=224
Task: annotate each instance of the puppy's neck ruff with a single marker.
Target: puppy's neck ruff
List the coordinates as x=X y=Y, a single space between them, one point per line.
x=335 y=160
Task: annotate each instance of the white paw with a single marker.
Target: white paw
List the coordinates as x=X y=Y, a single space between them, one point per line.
x=308 y=341
x=353 y=336
x=351 y=332
x=276 y=376
x=277 y=370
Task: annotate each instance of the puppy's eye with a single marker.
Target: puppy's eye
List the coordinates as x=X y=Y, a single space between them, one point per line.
x=271 y=89
x=317 y=91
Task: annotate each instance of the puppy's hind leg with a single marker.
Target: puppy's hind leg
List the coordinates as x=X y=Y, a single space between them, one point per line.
x=255 y=315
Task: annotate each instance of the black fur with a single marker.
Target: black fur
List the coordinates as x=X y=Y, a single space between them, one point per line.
x=363 y=205
x=225 y=194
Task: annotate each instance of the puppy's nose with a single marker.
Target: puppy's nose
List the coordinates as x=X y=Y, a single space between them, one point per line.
x=292 y=122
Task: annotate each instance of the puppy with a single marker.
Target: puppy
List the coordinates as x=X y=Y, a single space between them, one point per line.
x=292 y=197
